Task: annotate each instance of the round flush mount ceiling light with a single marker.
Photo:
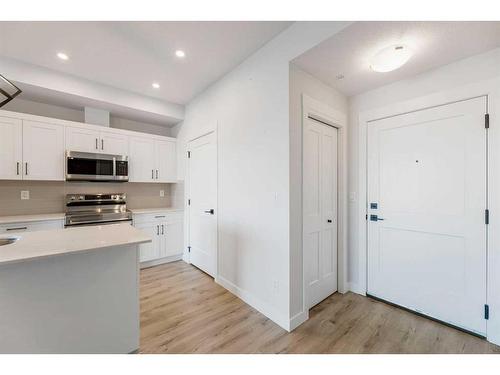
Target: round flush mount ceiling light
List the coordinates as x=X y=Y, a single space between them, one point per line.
x=155 y=85
x=62 y=56
x=390 y=58
x=180 y=53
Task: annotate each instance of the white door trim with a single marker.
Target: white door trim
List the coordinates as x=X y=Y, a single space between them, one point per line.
x=187 y=256
x=483 y=88
x=330 y=116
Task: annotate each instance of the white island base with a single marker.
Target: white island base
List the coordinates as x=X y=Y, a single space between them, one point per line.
x=77 y=302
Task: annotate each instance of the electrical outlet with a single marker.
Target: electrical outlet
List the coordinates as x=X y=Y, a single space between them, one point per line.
x=25 y=194
x=162 y=193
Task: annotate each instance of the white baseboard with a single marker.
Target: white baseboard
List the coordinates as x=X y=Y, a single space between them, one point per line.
x=298 y=319
x=355 y=288
x=157 y=262
x=256 y=303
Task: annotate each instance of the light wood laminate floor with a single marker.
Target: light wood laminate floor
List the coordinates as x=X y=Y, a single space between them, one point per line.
x=184 y=311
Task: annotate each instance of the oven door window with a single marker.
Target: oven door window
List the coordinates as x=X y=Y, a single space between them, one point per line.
x=90 y=167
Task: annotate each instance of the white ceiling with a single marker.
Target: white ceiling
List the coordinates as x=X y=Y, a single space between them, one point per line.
x=434 y=44
x=133 y=55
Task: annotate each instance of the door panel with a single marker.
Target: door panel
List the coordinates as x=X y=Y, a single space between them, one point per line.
x=167 y=161
x=149 y=251
x=113 y=143
x=11 y=149
x=203 y=196
x=427 y=174
x=142 y=160
x=81 y=139
x=173 y=238
x=320 y=211
x=43 y=151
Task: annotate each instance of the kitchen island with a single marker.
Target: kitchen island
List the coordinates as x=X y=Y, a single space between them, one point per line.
x=71 y=290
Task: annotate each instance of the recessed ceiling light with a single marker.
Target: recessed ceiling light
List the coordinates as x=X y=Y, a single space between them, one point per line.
x=156 y=85
x=62 y=56
x=391 y=58
x=180 y=53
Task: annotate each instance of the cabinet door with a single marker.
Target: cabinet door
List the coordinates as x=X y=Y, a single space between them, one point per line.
x=81 y=139
x=151 y=250
x=142 y=160
x=113 y=143
x=166 y=158
x=173 y=238
x=11 y=148
x=43 y=151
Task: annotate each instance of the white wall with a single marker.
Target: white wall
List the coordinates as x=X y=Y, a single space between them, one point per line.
x=302 y=83
x=249 y=107
x=78 y=115
x=477 y=75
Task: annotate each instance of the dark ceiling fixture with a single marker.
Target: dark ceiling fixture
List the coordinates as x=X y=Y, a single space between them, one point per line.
x=8 y=91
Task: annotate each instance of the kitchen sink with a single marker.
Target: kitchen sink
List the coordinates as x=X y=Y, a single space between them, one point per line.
x=8 y=240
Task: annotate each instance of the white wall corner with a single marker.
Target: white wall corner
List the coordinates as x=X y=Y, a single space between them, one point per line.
x=261 y=306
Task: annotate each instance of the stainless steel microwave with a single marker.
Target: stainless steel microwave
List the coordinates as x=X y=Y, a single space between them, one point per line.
x=88 y=166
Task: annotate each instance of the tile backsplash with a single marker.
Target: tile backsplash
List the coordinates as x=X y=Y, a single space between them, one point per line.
x=48 y=196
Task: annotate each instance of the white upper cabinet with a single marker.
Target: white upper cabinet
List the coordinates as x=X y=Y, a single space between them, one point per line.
x=11 y=148
x=43 y=151
x=98 y=141
x=142 y=161
x=82 y=139
x=113 y=143
x=166 y=159
x=33 y=148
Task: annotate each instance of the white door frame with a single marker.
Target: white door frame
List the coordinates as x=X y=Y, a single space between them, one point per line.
x=483 y=88
x=329 y=115
x=187 y=256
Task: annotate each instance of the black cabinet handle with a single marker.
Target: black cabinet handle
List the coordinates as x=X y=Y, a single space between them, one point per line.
x=162 y=229
x=19 y=228
x=157 y=230
x=329 y=220
x=211 y=211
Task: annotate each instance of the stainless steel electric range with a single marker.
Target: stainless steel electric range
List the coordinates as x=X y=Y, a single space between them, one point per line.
x=96 y=209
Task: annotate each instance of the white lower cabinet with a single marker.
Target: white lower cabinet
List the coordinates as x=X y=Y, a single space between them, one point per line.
x=166 y=231
x=31 y=226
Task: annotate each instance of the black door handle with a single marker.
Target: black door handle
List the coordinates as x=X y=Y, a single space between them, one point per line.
x=375 y=218
x=211 y=211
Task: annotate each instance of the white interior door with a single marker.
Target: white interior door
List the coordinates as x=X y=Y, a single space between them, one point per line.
x=427 y=181
x=43 y=151
x=202 y=194
x=320 y=211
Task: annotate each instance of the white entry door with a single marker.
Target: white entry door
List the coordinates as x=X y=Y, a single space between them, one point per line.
x=427 y=188
x=320 y=211
x=202 y=195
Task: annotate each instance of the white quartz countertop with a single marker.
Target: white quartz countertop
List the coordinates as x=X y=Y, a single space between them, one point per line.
x=28 y=218
x=47 y=243
x=138 y=211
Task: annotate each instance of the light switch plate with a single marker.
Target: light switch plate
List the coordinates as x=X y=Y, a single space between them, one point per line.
x=25 y=194
x=162 y=193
